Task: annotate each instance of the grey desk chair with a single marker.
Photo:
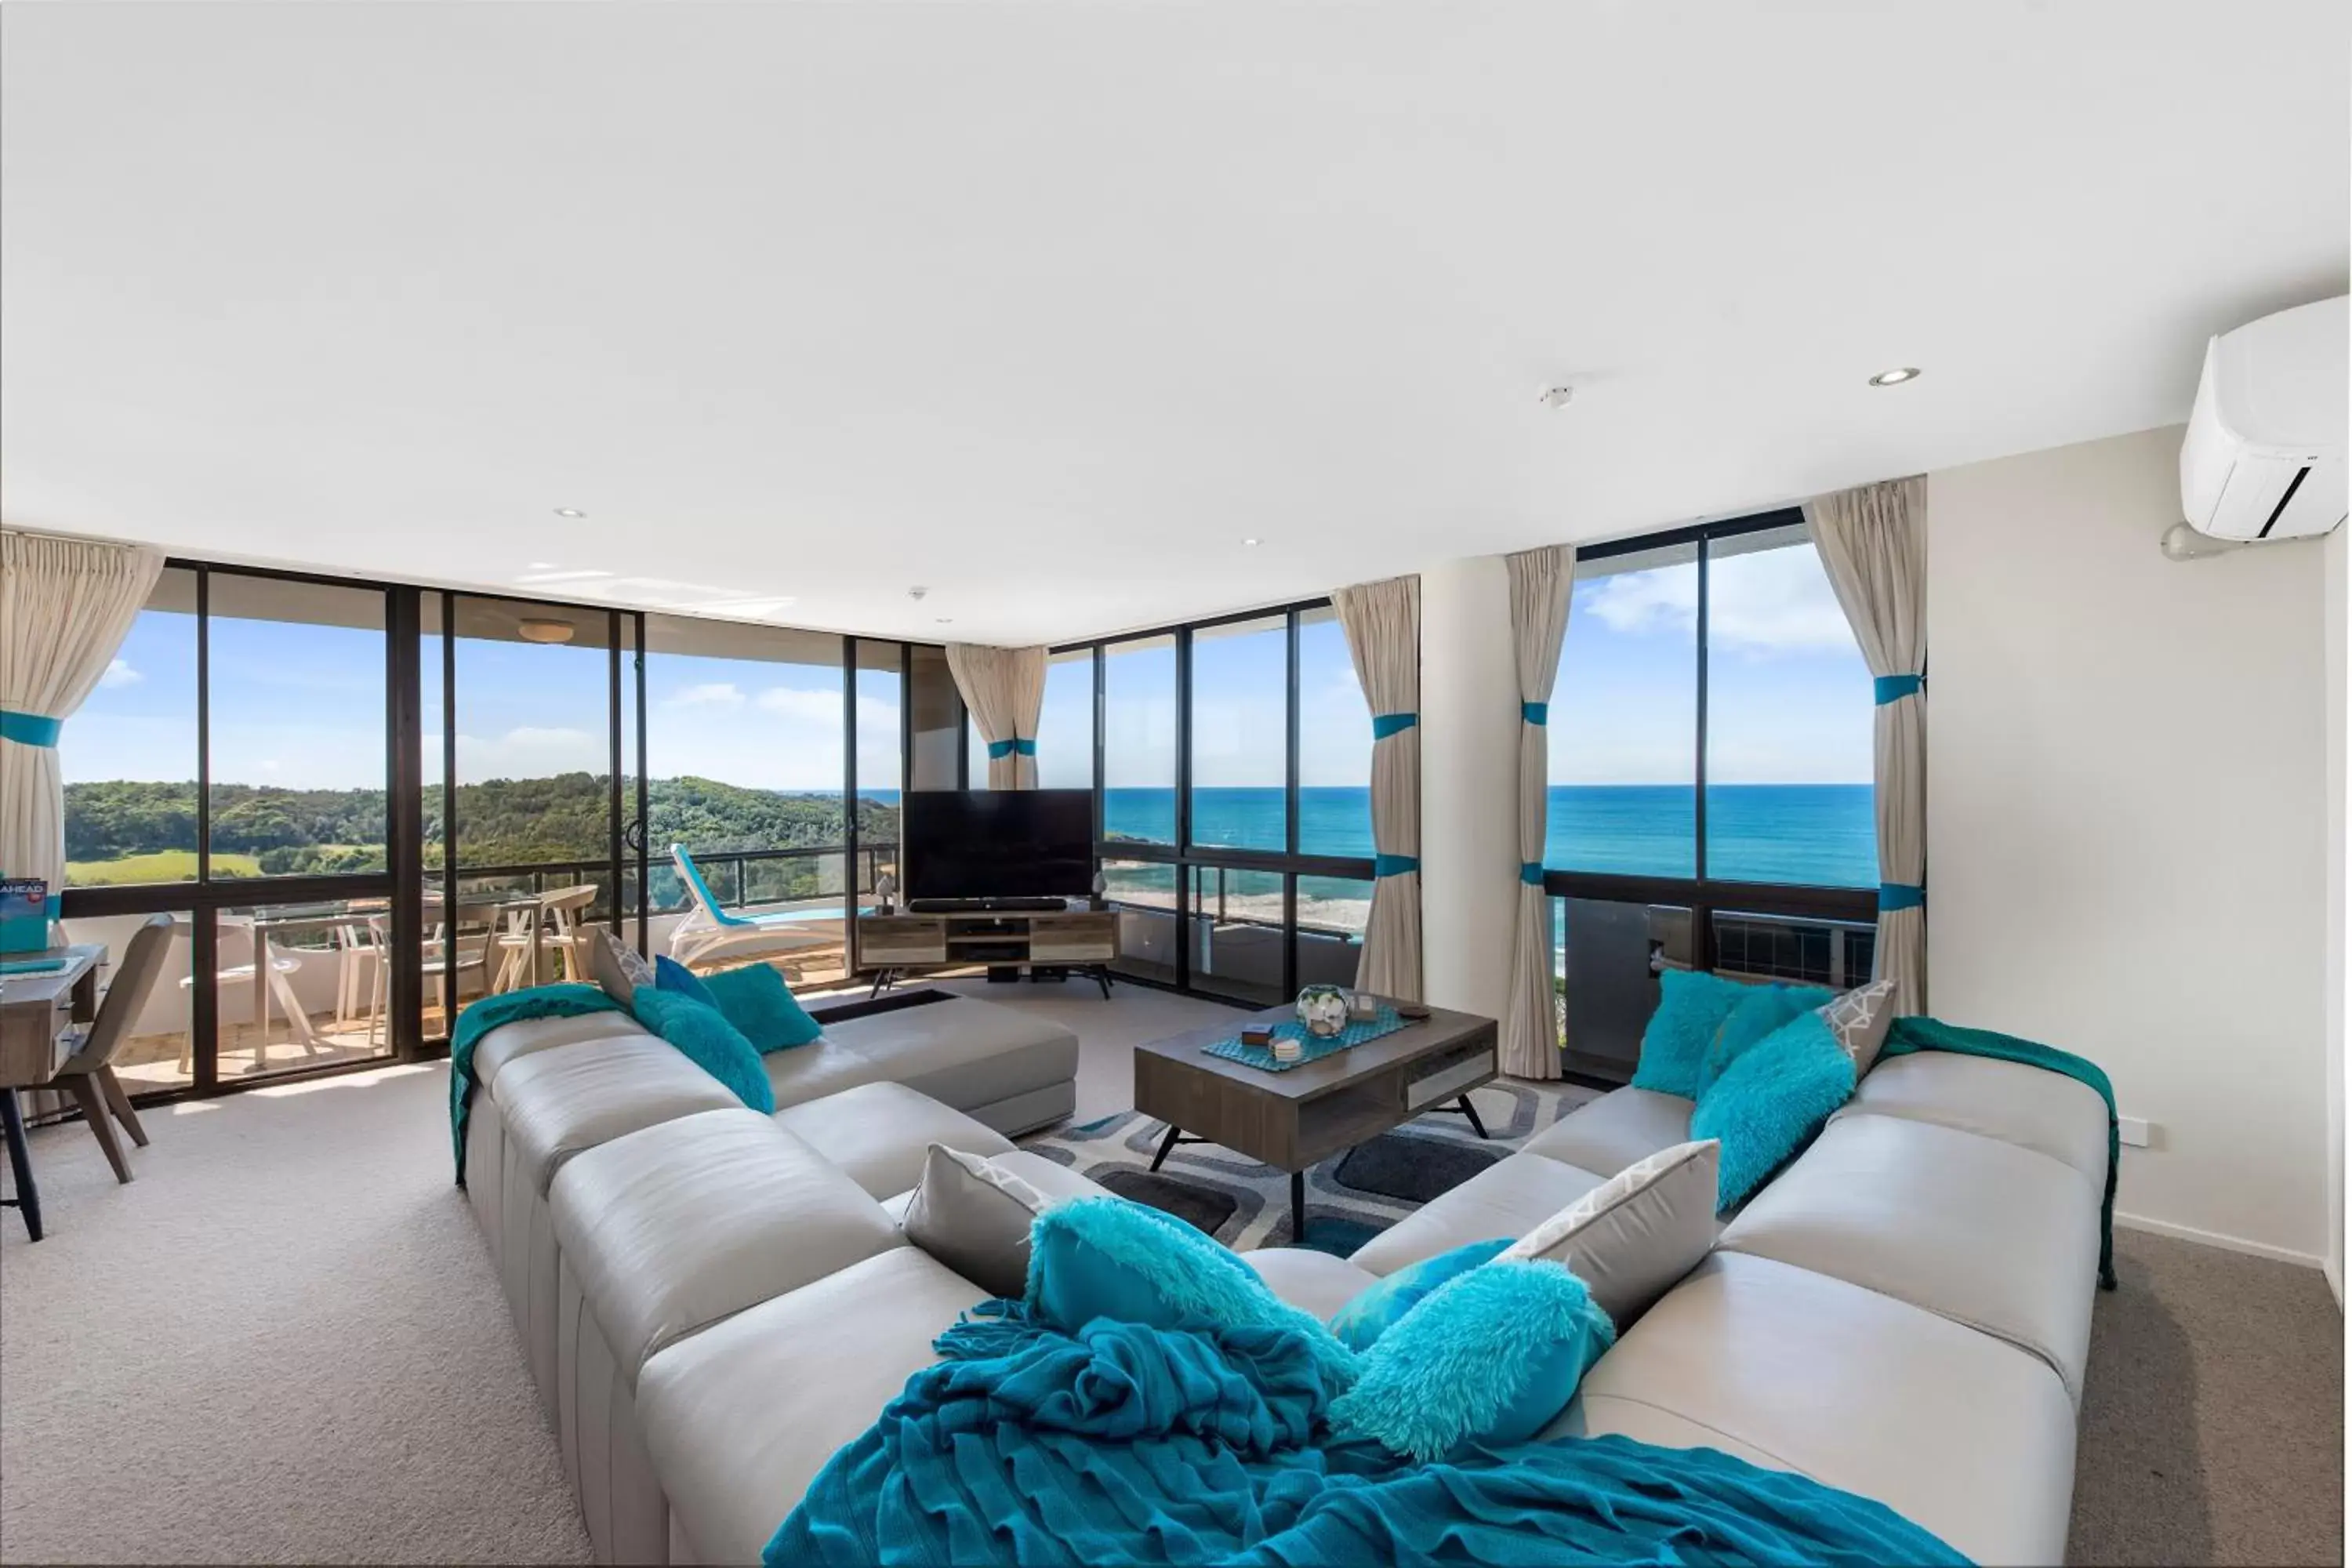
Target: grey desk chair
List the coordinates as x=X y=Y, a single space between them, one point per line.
x=88 y=1073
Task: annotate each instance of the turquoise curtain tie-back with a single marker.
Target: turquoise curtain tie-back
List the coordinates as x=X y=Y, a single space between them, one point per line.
x=1531 y=873
x=1535 y=712
x=1895 y=687
x=1900 y=896
x=1387 y=724
x=29 y=729
x=1011 y=748
x=1394 y=865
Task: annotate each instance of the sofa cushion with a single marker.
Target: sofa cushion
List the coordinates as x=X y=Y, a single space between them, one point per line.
x=755 y=999
x=2000 y=1238
x=509 y=1042
x=1692 y=1004
x=1316 y=1283
x=975 y=1218
x=1860 y=1019
x=1769 y=1103
x=739 y=1417
x=704 y=1036
x=1507 y=1198
x=2046 y=1112
x=671 y=1228
x=558 y=1103
x=880 y=1133
x=1630 y=1238
x=618 y=968
x=1489 y=1358
x=963 y=1052
x=1763 y=1010
x=1607 y=1134
x=1382 y=1304
x=1795 y=1371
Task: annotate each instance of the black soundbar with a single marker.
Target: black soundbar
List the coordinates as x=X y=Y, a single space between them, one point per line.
x=983 y=906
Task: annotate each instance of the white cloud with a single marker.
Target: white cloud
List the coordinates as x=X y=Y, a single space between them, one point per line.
x=711 y=694
x=811 y=707
x=118 y=674
x=1770 y=602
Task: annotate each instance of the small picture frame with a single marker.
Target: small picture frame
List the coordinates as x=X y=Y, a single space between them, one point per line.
x=1363 y=1006
x=1257 y=1034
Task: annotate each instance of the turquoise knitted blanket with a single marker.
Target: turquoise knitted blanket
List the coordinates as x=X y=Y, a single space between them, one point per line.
x=478 y=1018
x=1920 y=1034
x=1124 y=1444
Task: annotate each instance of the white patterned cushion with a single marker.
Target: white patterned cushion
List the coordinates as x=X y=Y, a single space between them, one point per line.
x=1633 y=1237
x=617 y=967
x=974 y=1217
x=1860 y=1019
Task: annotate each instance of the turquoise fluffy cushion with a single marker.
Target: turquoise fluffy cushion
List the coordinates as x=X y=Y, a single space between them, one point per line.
x=762 y=1008
x=1489 y=1359
x=1378 y=1308
x=1764 y=1009
x=704 y=1036
x=1109 y=1258
x=677 y=979
x=1691 y=1006
x=1770 y=1102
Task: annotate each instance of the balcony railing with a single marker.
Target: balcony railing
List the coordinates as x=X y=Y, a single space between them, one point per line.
x=738 y=878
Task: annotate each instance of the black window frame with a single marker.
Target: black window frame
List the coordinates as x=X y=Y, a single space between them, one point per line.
x=1185 y=855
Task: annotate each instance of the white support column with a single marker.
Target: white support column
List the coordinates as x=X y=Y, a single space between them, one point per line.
x=1469 y=784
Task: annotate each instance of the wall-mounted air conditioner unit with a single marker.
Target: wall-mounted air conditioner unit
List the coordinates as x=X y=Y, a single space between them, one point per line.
x=2264 y=456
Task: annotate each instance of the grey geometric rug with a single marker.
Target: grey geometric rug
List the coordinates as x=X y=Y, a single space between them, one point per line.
x=1350 y=1197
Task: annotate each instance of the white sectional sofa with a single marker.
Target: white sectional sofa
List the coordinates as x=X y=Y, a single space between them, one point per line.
x=714 y=1301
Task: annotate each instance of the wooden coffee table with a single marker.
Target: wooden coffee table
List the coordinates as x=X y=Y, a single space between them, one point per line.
x=1294 y=1119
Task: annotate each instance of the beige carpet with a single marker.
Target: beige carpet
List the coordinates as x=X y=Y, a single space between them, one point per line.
x=283 y=1343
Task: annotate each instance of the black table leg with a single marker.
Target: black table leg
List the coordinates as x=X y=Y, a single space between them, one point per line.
x=20 y=1164
x=1165 y=1144
x=1471 y=1112
x=1297 y=1208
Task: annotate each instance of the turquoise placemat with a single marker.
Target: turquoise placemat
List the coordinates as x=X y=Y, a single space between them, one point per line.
x=1386 y=1022
x=31 y=966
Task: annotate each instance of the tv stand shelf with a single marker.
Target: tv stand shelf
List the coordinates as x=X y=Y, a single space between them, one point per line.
x=1075 y=937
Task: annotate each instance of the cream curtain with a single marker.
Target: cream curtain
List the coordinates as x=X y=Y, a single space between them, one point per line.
x=1873 y=544
x=1540 y=581
x=1004 y=687
x=65 y=607
x=1383 y=621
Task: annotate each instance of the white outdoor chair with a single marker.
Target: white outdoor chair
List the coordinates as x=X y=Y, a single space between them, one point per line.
x=709 y=931
x=266 y=973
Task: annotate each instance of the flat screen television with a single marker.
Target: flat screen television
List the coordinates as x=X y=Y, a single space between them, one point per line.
x=997 y=843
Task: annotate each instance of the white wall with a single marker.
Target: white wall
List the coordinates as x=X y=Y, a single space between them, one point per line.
x=1469 y=784
x=2337 y=563
x=2125 y=829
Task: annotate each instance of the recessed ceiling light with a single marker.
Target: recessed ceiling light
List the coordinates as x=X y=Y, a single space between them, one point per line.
x=947 y=620
x=569 y=512
x=544 y=631
x=1251 y=542
x=1897 y=376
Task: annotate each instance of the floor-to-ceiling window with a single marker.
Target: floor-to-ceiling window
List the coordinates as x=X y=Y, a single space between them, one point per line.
x=232 y=773
x=1709 y=752
x=362 y=805
x=1234 y=771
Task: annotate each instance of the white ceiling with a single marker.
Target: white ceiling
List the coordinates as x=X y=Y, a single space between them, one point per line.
x=1048 y=307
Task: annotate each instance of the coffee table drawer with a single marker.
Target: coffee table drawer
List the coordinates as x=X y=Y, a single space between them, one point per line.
x=1448 y=1076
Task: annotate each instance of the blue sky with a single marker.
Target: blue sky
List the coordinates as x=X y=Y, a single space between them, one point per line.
x=302 y=705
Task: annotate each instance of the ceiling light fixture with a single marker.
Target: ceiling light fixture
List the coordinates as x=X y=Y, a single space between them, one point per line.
x=1251 y=542
x=947 y=620
x=1897 y=376
x=569 y=512
x=549 y=631
x=1556 y=397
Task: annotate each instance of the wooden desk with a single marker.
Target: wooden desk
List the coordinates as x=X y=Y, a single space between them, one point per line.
x=40 y=1019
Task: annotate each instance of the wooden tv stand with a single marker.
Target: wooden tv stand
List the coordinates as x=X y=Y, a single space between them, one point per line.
x=896 y=946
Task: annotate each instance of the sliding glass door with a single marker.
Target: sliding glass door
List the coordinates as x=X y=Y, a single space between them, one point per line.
x=533 y=808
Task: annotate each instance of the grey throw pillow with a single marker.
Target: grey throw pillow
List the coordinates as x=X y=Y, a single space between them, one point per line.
x=1633 y=1237
x=975 y=1219
x=1860 y=1019
x=617 y=968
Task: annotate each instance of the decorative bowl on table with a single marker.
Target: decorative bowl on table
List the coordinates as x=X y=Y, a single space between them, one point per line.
x=1323 y=1010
